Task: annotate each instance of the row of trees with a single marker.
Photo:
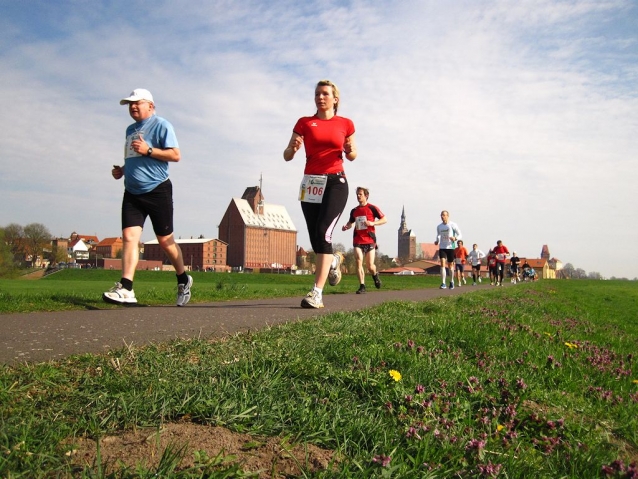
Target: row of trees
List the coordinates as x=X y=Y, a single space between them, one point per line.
x=20 y=245
x=570 y=272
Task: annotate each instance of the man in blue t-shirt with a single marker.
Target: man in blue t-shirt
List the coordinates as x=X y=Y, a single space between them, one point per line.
x=150 y=145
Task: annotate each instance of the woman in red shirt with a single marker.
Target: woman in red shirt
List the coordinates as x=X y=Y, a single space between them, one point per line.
x=323 y=193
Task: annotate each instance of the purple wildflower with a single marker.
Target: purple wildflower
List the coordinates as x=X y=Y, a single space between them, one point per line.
x=384 y=461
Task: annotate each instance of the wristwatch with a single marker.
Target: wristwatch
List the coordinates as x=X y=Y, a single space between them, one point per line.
x=150 y=150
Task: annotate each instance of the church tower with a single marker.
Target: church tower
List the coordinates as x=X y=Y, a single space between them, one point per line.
x=406 y=241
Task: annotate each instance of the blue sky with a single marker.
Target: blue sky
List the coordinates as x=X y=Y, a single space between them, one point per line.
x=519 y=117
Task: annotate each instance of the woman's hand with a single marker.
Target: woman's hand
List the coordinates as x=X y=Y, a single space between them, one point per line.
x=350 y=148
x=293 y=145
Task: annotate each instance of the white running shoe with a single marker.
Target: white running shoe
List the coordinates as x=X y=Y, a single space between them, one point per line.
x=119 y=295
x=334 y=276
x=312 y=300
x=479 y=279
x=464 y=282
x=184 y=292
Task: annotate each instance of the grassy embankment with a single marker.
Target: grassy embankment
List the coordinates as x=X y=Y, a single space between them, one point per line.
x=82 y=289
x=538 y=380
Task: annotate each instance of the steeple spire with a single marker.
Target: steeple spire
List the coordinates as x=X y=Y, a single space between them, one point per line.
x=404 y=225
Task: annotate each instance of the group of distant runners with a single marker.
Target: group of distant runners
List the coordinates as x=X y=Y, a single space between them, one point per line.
x=328 y=139
x=454 y=257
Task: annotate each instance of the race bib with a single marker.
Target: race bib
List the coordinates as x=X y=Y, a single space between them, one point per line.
x=500 y=256
x=360 y=223
x=458 y=261
x=312 y=188
x=129 y=152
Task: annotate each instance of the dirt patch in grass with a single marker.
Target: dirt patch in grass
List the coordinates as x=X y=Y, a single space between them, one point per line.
x=269 y=457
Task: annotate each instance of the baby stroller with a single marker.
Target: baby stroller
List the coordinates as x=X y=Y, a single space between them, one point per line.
x=529 y=274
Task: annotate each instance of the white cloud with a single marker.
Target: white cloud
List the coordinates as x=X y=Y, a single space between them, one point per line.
x=518 y=117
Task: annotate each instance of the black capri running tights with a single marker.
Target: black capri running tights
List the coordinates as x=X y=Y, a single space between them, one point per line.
x=321 y=218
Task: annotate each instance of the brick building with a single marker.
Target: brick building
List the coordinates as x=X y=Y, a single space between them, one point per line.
x=109 y=247
x=201 y=254
x=258 y=234
x=59 y=250
x=407 y=241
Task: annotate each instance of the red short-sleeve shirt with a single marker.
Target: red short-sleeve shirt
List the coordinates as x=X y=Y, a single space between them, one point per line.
x=323 y=141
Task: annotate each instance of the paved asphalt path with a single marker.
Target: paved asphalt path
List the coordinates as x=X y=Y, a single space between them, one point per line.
x=38 y=337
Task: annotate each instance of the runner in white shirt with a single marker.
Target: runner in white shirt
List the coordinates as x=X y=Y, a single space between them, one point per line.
x=474 y=258
x=447 y=234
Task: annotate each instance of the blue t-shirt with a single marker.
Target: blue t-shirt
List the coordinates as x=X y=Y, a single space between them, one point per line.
x=143 y=173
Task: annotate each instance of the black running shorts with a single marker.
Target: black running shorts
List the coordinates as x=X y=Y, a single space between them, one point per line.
x=156 y=204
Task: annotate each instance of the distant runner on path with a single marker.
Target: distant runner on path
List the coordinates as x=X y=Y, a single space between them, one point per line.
x=491 y=266
x=474 y=258
x=514 y=262
x=502 y=253
x=364 y=218
x=447 y=234
x=460 y=258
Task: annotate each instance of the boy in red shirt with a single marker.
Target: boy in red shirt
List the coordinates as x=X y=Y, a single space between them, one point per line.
x=364 y=218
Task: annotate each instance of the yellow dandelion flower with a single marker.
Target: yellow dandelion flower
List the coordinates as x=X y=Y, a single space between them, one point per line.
x=571 y=345
x=500 y=427
x=635 y=381
x=548 y=334
x=396 y=375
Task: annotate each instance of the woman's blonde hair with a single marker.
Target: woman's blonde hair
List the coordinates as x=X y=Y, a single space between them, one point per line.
x=335 y=91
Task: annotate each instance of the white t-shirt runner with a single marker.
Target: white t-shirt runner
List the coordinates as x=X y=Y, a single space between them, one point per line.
x=474 y=257
x=446 y=231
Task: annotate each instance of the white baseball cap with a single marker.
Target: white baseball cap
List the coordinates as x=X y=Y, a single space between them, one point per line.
x=137 y=95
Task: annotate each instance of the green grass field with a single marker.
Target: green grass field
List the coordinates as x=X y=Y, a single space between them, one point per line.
x=82 y=289
x=538 y=380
